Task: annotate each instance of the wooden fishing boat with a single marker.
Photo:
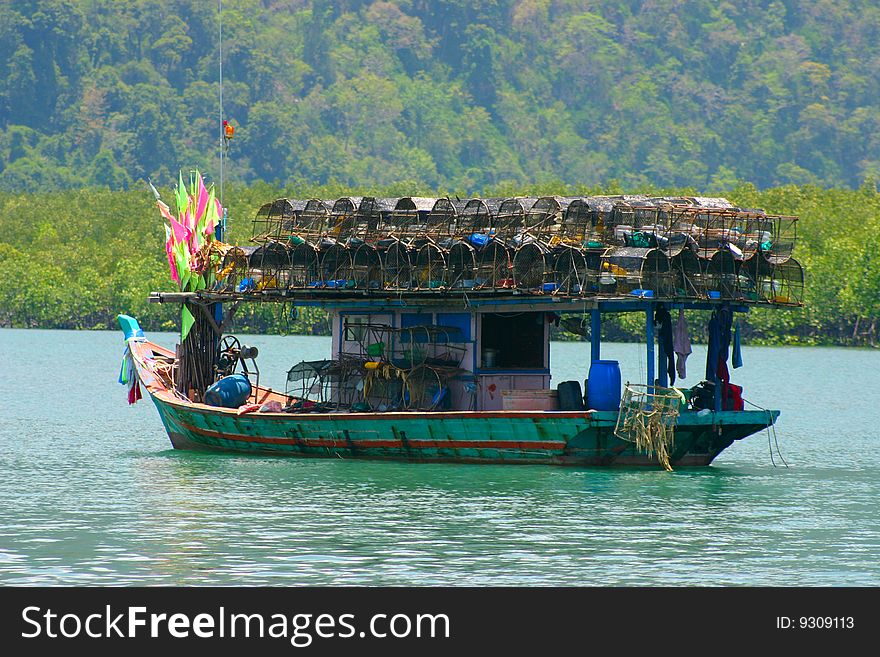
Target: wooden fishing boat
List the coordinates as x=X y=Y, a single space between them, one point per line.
x=452 y=363
x=501 y=436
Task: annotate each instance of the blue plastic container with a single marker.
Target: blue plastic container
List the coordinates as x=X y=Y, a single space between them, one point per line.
x=130 y=327
x=479 y=240
x=230 y=391
x=603 y=393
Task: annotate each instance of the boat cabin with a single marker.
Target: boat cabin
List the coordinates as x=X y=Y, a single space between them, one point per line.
x=483 y=358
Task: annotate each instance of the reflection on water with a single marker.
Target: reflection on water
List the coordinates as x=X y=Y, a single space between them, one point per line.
x=93 y=495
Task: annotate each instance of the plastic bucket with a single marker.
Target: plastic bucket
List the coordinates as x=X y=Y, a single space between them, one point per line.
x=230 y=391
x=604 y=390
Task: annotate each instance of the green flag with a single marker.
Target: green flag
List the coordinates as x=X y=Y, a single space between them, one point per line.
x=186 y=323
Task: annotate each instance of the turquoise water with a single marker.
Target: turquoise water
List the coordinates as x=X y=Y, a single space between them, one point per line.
x=92 y=494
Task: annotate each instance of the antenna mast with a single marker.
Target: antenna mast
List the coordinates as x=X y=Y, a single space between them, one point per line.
x=222 y=132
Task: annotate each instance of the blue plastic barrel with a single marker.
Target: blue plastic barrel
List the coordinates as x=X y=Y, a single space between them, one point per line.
x=230 y=391
x=603 y=393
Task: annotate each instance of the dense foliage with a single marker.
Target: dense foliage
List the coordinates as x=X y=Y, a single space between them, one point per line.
x=74 y=259
x=450 y=95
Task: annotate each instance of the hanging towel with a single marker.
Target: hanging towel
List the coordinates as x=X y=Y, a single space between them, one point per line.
x=681 y=344
x=737 y=348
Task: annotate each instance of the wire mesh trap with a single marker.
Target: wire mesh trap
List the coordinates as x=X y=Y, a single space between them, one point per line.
x=341 y=221
x=671 y=247
x=372 y=218
x=510 y=220
x=278 y=220
x=430 y=270
x=494 y=267
x=581 y=225
x=324 y=385
x=314 y=220
x=305 y=269
x=638 y=271
x=233 y=274
x=462 y=263
x=336 y=267
x=476 y=216
x=531 y=268
x=366 y=268
x=410 y=218
x=397 y=269
x=570 y=272
x=270 y=266
x=647 y=418
x=442 y=219
x=782 y=283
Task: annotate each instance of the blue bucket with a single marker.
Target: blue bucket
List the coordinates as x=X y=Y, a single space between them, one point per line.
x=230 y=391
x=603 y=393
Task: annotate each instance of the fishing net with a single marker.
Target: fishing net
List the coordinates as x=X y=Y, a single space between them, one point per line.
x=647 y=418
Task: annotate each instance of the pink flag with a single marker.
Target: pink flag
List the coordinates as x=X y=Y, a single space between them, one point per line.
x=169 y=252
x=202 y=202
x=164 y=209
x=181 y=232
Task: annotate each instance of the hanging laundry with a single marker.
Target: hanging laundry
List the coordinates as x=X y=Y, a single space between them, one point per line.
x=737 y=348
x=725 y=323
x=681 y=344
x=664 y=320
x=128 y=376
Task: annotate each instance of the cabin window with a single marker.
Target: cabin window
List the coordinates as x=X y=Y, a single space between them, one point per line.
x=515 y=340
x=408 y=320
x=354 y=327
x=460 y=321
x=363 y=329
x=457 y=327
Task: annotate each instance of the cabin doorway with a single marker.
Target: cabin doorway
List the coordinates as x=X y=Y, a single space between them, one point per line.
x=512 y=341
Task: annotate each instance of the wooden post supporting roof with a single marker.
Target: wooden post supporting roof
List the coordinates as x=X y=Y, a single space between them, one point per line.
x=595 y=334
x=649 y=339
x=662 y=374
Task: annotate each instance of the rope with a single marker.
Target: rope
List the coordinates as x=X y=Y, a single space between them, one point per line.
x=771 y=433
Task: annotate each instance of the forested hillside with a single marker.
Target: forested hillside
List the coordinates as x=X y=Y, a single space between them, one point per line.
x=448 y=95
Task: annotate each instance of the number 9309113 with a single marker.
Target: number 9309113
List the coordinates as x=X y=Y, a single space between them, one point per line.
x=815 y=622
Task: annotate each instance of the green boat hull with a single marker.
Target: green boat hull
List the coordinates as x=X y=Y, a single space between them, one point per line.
x=547 y=437
x=506 y=436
